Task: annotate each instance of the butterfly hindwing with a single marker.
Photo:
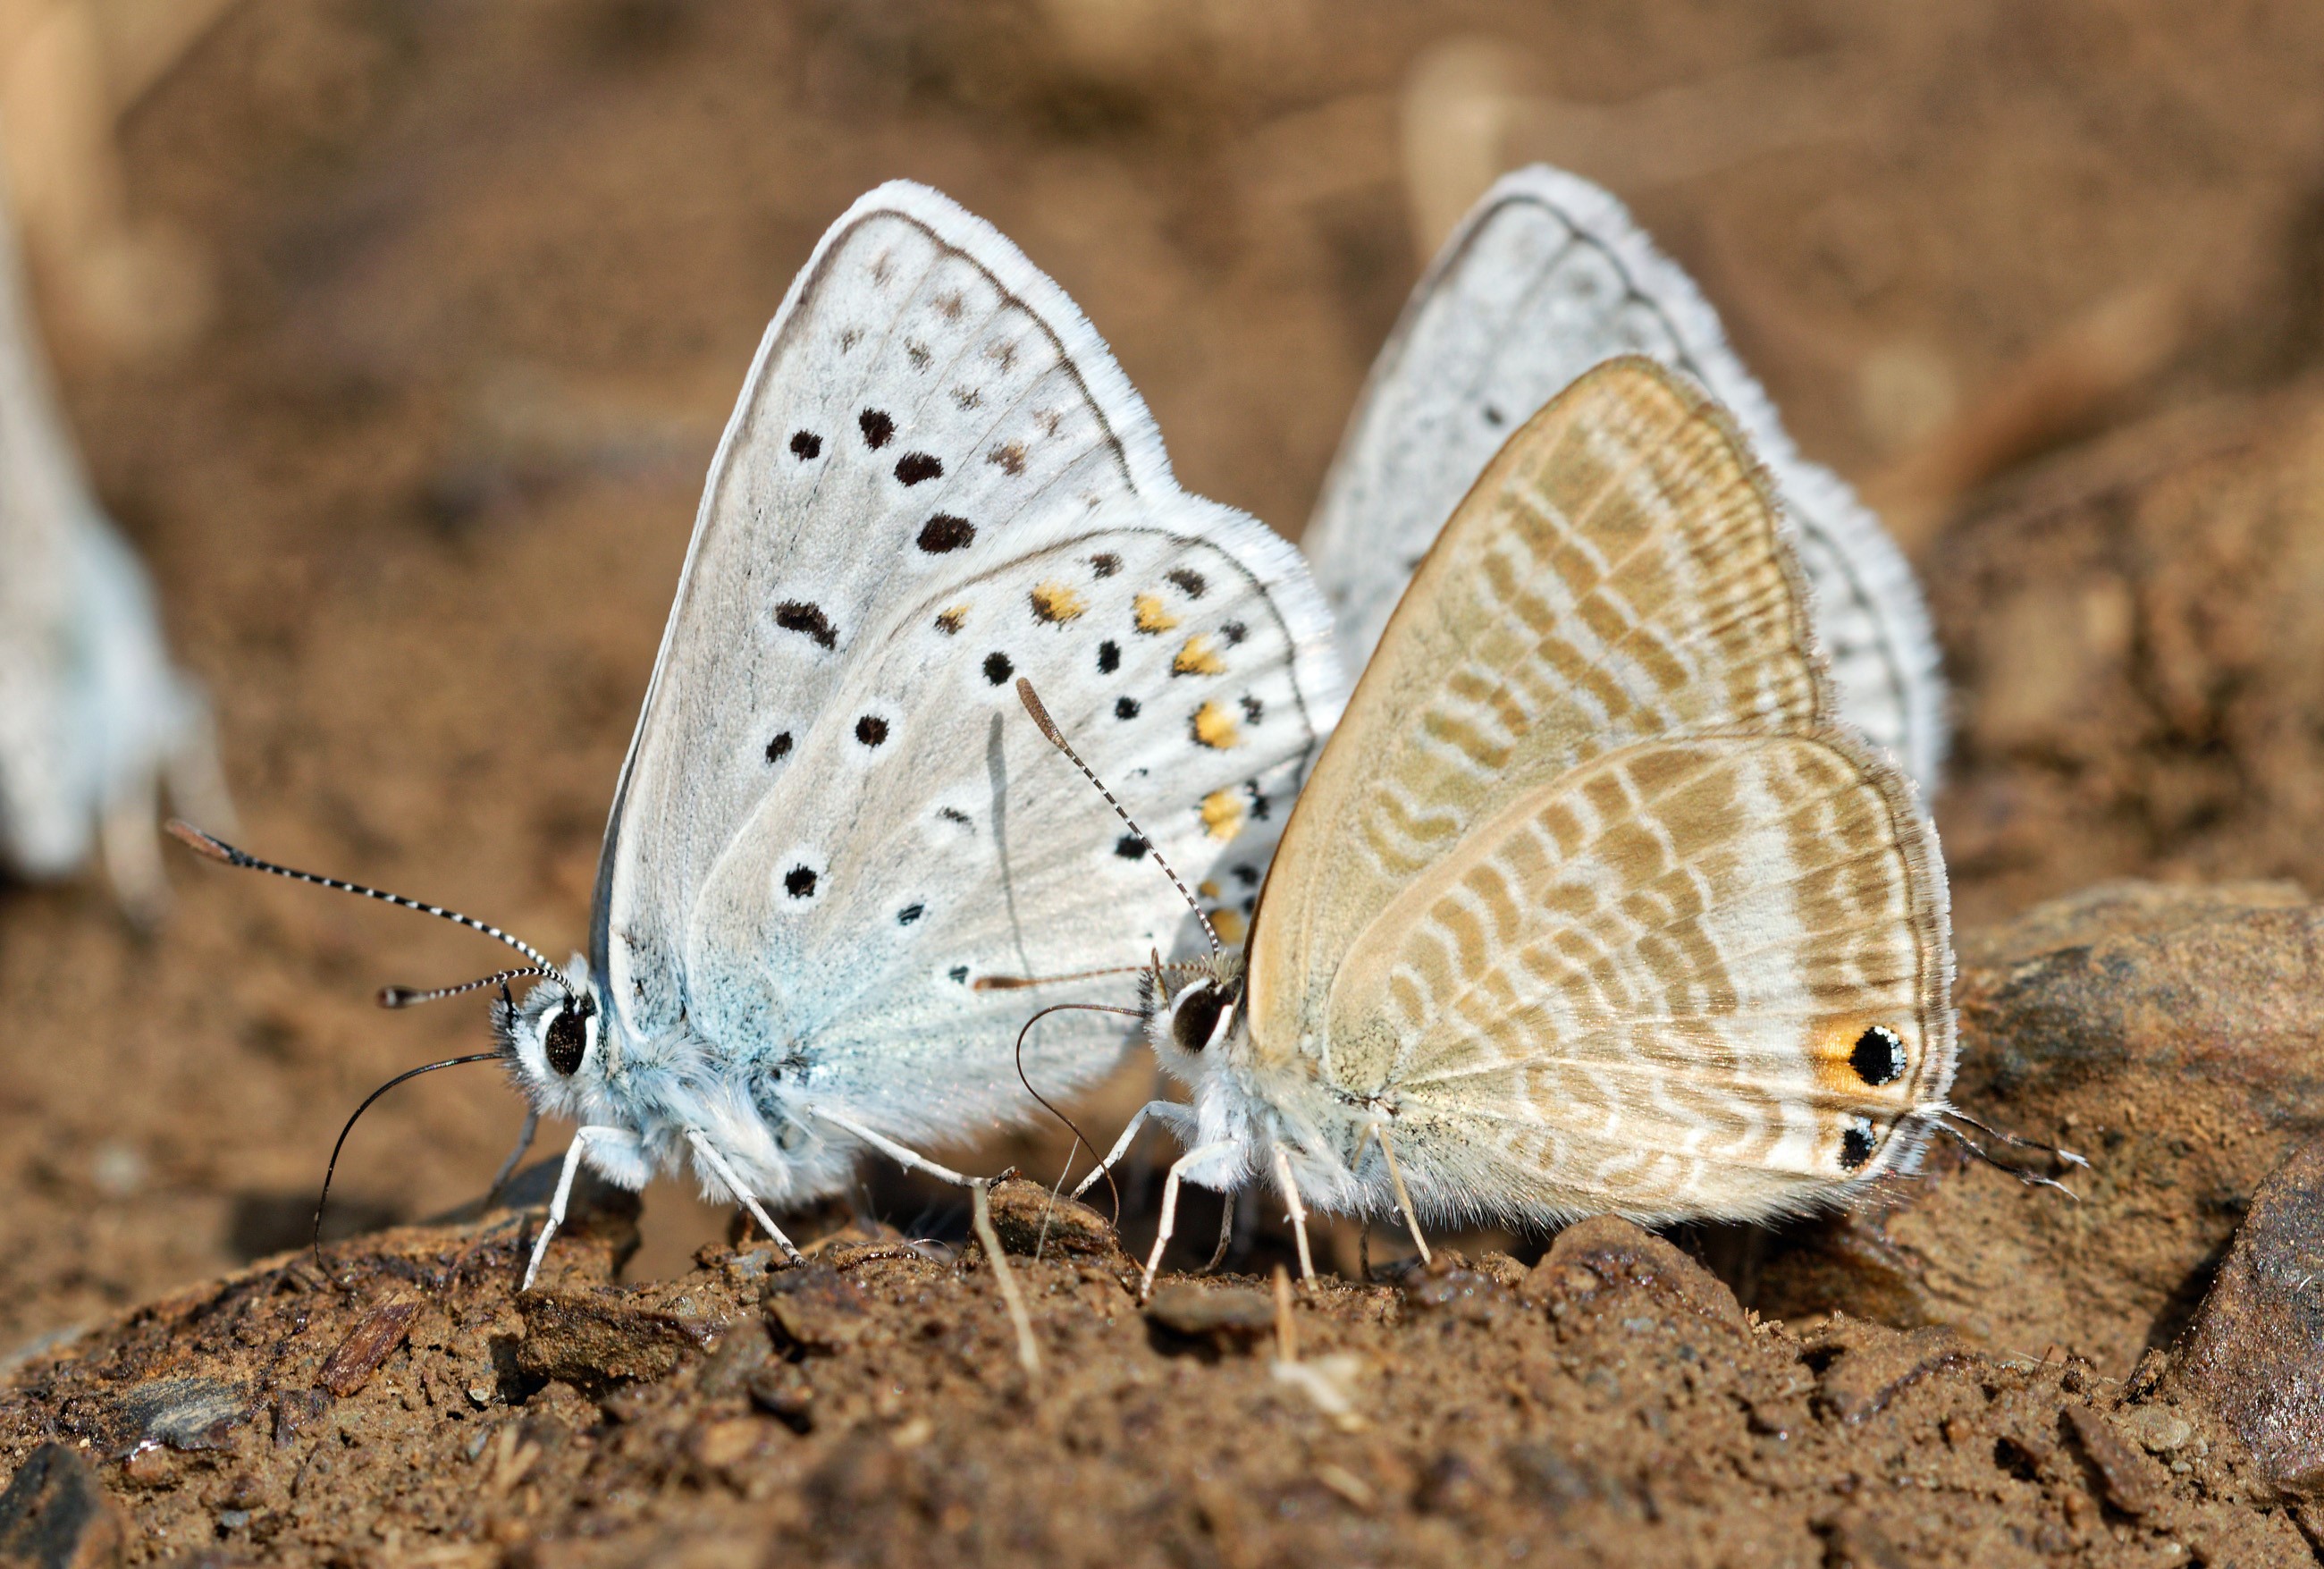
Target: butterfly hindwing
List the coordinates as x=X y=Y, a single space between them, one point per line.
x=1699 y=977
x=1546 y=277
x=927 y=836
x=835 y=815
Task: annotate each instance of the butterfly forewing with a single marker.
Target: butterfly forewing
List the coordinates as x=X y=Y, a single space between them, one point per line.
x=1618 y=573
x=1701 y=977
x=834 y=817
x=1547 y=277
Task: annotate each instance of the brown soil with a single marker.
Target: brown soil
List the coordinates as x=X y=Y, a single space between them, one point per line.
x=487 y=280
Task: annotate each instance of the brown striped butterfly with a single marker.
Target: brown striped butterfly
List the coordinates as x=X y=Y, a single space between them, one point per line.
x=1590 y=903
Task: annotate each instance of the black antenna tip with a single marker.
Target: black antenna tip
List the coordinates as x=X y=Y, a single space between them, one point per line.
x=396 y=996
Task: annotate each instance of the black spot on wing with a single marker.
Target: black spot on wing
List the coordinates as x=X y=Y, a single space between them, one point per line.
x=1494 y=417
x=872 y=730
x=801 y=615
x=959 y=973
x=799 y=881
x=1189 y=581
x=1253 y=710
x=997 y=667
x=1008 y=458
x=1109 y=656
x=915 y=467
x=1879 y=1058
x=1105 y=563
x=879 y=428
x=944 y=533
x=1130 y=847
x=1856 y=1145
x=806 y=444
x=1125 y=708
x=1246 y=874
x=780 y=747
x=910 y=913
x=1234 y=631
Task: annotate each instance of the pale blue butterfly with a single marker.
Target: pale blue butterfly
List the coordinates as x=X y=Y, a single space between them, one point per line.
x=833 y=822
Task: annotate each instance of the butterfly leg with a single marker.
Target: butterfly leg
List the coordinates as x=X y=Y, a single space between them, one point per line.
x=1403 y=1199
x=1178 y=1119
x=508 y=1166
x=1170 y=1209
x=1226 y=1233
x=910 y=1161
x=1298 y=1210
x=708 y=1155
x=582 y=1138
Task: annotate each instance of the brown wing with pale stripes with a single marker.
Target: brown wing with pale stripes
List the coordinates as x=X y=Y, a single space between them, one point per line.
x=1701 y=977
x=1618 y=573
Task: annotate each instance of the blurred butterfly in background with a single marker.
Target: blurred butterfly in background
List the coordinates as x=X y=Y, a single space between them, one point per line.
x=1590 y=903
x=832 y=823
x=1546 y=277
x=93 y=715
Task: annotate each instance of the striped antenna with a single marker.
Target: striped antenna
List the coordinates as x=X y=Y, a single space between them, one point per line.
x=1056 y=738
x=217 y=849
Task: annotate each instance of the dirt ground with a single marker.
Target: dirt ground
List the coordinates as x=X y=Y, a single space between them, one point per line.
x=2050 y=280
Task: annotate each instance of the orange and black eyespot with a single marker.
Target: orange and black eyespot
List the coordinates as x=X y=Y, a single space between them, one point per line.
x=1878 y=1055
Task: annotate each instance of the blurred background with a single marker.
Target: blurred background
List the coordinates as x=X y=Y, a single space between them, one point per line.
x=398 y=334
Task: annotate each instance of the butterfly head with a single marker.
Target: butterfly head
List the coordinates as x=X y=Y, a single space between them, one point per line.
x=1186 y=1026
x=555 y=1040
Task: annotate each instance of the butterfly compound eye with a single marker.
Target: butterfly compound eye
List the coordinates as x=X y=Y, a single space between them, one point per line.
x=1201 y=1014
x=1194 y=1016
x=565 y=1041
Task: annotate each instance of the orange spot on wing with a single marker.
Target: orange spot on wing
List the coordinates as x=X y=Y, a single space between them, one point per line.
x=1214 y=727
x=1055 y=602
x=1153 y=615
x=1222 y=815
x=1198 y=658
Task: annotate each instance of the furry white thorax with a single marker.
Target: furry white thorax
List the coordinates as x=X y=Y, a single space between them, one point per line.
x=660 y=1090
x=1258 y=1112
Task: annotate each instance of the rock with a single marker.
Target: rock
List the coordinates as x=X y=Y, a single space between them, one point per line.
x=2157 y=1429
x=54 y=1515
x=367 y=1346
x=1449 y=1284
x=1224 y=1314
x=782 y=1391
x=2256 y=1351
x=1028 y=1220
x=597 y=1337
x=1606 y=1253
x=728 y=1369
x=2168 y=1034
x=2126 y=1479
x=816 y=1308
x=183 y=1413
